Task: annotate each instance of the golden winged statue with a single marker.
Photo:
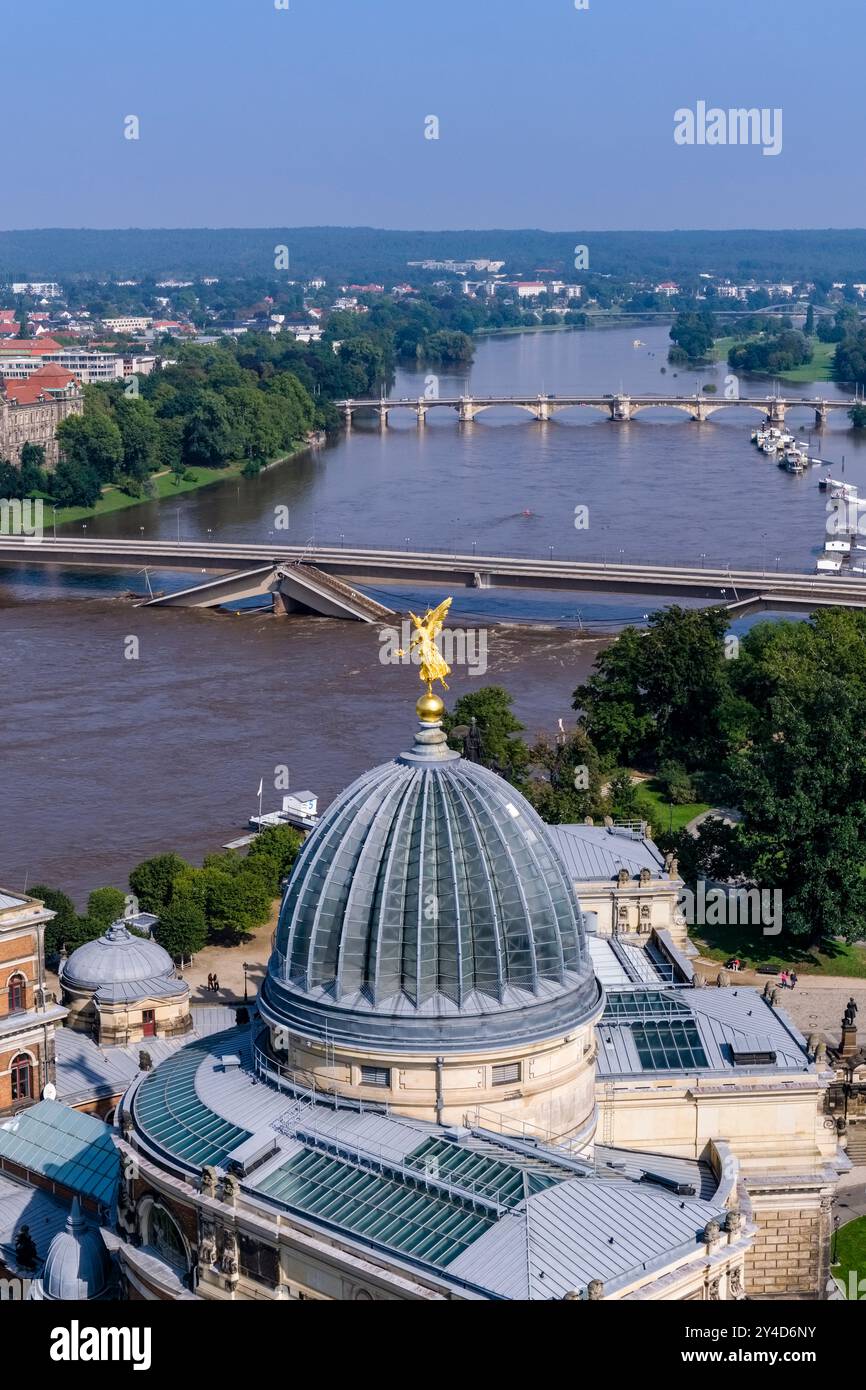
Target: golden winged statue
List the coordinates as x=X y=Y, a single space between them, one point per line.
x=434 y=667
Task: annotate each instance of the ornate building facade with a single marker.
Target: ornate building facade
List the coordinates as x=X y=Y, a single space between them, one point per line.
x=31 y=409
x=28 y=1017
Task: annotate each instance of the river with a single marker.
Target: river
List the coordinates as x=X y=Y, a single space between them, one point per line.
x=109 y=759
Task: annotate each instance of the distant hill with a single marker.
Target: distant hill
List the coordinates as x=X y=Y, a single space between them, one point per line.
x=351 y=254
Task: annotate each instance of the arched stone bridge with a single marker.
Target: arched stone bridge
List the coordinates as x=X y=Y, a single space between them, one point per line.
x=618 y=407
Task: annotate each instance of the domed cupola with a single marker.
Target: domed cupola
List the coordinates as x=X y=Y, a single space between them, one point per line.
x=124 y=988
x=77 y=1266
x=429 y=912
x=116 y=958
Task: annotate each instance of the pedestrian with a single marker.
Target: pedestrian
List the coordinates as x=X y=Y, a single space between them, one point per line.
x=216 y=985
x=210 y=982
x=783 y=979
x=793 y=979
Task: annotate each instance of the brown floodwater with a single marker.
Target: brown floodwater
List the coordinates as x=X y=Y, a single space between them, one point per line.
x=107 y=760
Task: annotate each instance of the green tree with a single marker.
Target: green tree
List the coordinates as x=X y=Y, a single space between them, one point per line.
x=277 y=847
x=105 y=905
x=809 y=325
x=662 y=692
x=208 y=439
x=693 y=334
x=64 y=923
x=571 y=787
x=75 y=484
x=799 y=776
x=182 y=928
x=152 y=880
x=91 y=441
x=140 y=437
x=234 y=904
x=501 y=748
x=623 y=796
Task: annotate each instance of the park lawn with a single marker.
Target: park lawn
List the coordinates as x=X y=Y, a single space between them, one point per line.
x=819 y=369
x=747 y=941
x=165 y=486
x=850 y=1255
x=661 y=815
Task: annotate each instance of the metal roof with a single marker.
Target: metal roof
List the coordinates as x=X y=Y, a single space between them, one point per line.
x=462 y=1203
x=21 y=1205
x=593 y=853
x=724 y=1018
x=611 y=1229
x=85 y=1069
x=72 y=1149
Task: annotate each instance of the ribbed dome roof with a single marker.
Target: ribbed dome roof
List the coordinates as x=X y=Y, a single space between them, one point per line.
x=429 y=908
x=77 y=1266
x=118 y=957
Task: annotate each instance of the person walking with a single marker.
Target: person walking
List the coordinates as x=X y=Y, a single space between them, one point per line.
x=783 y=979
x=216 y=985
x=793 y=979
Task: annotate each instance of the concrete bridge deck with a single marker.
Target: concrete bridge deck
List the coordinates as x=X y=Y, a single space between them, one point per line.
x=619 y=407
x=248 y=563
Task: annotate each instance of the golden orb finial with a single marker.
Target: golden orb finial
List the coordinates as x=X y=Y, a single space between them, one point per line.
x=430 y=708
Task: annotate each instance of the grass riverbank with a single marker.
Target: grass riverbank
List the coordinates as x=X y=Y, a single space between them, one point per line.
x=819 y=369
x=166 y=487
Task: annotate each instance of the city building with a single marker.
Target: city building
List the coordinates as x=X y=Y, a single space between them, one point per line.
x=622 y=879
x=452 y=1085
x=448 y=1088
x=28 y=1015
x=130 y=323
x=32 y=407
x=123 y=989
x=40 y=289
x=21 y=357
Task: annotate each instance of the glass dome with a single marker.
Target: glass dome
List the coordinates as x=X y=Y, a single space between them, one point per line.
x=429 y=908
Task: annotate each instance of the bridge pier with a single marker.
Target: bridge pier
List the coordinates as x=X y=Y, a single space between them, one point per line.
x=347 y=417
x=383 y=417
x=421 y=414
x=821 y=413
x=776 y=413
x=700 y=412
x=542 y=410
x=466 y=410
x=620 y=408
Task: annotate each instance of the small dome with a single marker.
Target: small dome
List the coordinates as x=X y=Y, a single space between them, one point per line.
x=429 y=908
x=117 y=958
x=77 y=1266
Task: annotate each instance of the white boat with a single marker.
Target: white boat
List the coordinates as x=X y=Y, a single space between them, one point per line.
x=769 y=446
x=793 y=461
x=830 y=566
x=837 y=547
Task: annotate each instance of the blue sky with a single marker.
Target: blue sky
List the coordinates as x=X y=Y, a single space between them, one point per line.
x=549 y=116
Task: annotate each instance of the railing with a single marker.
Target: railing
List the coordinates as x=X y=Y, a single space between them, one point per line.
x=306 y=1087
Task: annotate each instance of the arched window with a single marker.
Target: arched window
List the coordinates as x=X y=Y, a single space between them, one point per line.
x=17 y=994
x=22 y=1077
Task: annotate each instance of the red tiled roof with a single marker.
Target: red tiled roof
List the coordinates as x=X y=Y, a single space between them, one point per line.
x=29 y=390
x=31 y=345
